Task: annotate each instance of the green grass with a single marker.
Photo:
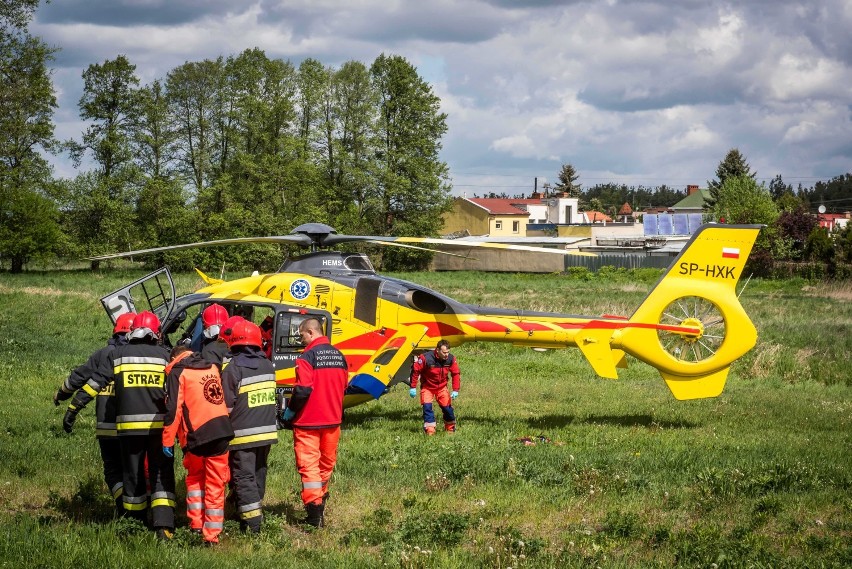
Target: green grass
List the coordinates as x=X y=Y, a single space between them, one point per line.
x=622 y=475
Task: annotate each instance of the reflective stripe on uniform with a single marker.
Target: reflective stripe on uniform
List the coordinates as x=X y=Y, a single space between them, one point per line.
x=256 y=386
x=249 y=507
x=139 y=360
x=91 y=387
x=140 y=422
x=312 y=484
x=254 y=434
x=107 y=428
x=257 y=379
x=135 y=503
x=214 y=525
x=193 y=493
x=163 y=499
x=140 y=426
x=194 y=506
x=117 y=490
x=214 y=512
x=140 y=418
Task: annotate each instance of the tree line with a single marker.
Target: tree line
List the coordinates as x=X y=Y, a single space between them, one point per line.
x=248 y=145
x=237 y=146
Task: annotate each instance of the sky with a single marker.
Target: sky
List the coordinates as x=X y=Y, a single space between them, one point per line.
x=626 y=91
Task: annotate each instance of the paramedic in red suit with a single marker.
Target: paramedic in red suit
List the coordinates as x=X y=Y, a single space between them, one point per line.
x=315 y=412
x=433 y=369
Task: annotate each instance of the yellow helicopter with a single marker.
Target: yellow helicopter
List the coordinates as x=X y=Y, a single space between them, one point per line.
x=691 y=326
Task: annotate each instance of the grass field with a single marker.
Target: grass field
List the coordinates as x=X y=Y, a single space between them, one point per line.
x=621 y=474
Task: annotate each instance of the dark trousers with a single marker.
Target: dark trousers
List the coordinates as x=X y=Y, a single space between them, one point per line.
x=161 y=478
x=113 y=472
x=248 y=480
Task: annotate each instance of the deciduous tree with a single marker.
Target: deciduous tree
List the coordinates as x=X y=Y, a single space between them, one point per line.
x=411 y=178
x=28 y=215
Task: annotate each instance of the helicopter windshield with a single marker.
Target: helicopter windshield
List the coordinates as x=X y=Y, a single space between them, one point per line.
x=358 y=262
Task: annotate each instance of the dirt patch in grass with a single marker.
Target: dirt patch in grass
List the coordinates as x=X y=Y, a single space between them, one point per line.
x=45 y=291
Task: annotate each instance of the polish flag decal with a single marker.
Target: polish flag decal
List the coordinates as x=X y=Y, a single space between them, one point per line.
x=730 y=253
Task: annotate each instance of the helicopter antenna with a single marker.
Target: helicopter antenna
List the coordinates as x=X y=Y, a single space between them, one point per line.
x=745 y=284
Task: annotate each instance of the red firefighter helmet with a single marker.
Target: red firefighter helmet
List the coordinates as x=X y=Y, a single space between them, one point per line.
x=215 y=314
x=213 y=318
x=144 y=323
x=227 y=328
x=244 y=333
x=123 y=323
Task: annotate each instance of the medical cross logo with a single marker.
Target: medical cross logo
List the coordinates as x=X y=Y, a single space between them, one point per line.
x=300 y=289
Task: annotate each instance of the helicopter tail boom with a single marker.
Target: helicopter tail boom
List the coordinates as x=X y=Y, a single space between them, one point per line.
x=691 y=326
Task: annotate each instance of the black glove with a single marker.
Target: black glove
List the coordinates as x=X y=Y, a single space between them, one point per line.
x=68 y=420
x=61 y=395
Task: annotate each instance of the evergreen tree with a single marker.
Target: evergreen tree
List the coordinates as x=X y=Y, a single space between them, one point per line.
x=567 y=183
x=734 y=165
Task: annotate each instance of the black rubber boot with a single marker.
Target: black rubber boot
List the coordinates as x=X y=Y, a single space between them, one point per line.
x=315 y=512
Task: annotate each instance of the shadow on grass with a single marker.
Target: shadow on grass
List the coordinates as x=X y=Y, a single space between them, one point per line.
x=91 y=502
x=550 y=421
x=638 y=421
x=286 y=511
x=377 y=417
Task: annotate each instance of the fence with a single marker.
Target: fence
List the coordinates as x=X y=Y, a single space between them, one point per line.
x=626 y=260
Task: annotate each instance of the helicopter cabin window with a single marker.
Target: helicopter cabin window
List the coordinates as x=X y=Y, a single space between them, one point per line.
x=287 y=338
x=516 y=227
x=187 y=326
x=498 y=224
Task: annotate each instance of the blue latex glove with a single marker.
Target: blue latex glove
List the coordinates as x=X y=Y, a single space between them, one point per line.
x=412 y=392
x=287 y=415
x=454 y=394
x=169 y=451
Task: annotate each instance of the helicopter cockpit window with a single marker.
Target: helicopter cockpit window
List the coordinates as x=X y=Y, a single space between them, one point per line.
x=287 y=331
x=358 y=263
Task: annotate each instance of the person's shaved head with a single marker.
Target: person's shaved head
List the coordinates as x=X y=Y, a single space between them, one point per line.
x=311 y=324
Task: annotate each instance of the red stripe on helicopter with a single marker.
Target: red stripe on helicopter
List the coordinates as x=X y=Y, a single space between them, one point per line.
x=531 y=326
x=438 y=329
x=369 y=341
x=486 y=326
x=600 y=325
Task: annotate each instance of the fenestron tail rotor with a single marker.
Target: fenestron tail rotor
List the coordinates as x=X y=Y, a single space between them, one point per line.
x=697 y=313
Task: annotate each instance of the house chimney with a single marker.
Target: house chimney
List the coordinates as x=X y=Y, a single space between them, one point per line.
x=535 y=196
x=691 y=189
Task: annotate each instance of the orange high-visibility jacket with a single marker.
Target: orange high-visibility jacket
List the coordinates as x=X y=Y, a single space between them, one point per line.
x=195 y=406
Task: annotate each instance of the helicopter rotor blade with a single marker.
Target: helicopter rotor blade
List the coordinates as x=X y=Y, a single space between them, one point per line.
x=438 y=251
x=302 y=240
x=459 y=243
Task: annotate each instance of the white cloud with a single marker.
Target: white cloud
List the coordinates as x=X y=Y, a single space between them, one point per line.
x=639 y=92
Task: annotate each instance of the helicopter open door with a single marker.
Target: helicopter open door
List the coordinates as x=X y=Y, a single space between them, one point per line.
x=373 y=378
x=154 y=292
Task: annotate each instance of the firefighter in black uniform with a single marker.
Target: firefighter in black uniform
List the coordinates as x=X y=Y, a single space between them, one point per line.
x=93 y=380
x=249 y=385
x=139 y=376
